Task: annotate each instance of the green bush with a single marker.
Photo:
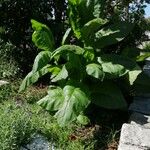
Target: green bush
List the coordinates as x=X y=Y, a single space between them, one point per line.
x=87 y=73
x=8 y=66
x=15 y=127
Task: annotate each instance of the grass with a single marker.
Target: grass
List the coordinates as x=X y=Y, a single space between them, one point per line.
x=21 y=118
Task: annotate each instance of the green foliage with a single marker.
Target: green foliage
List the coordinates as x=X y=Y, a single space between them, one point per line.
x=84 y=74
x=9 y=68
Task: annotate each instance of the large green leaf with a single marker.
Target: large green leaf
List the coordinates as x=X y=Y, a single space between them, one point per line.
x=142 y=57
x=42 y=36
x=75 y=101
x=54 y=100
x=90 y=28
x=95 y=70
x=41 y=60
x=116 y=66
x=133 y=74
x=68 y=49
x=108 y=95
x=142 y=84
x=33 y=77
x=63 y=74
x=112 y=34
x=80 y=12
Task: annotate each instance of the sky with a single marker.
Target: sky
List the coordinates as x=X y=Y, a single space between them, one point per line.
x=147 y=11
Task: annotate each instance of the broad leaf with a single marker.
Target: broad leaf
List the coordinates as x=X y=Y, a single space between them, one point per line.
x=90 y=28
x=80 y=12
x=109 y=96
x=95 y=70
x=75 y=101
x=33 y=77
x=134 y=74
x=116 y=66
x=142 y=57
x=55 y=70
x=112 y=34
x=54 y=100
x=41 y=60
x=63 y=74
x=141 y=84
x=76 y=67
x=68 y=49
x=42 y=36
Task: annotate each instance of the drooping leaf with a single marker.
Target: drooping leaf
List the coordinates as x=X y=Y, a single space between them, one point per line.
x=80 y=12
x=90 y=28
x=95 y=70
x=63 y=74
x=42 y=36
x=112 y=34
x=75 y=101
x=33 y=77
x=41 y=60
x=66 y=35
x=116 y=66
x=133 y=74
x=76 y=67
x=142 y=57
x=109 y=96
x=54 y=100
x=82 y=119
x=141 y=85
x=55 y=70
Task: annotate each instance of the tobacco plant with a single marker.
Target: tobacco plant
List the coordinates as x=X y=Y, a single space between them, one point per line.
x=86 y=73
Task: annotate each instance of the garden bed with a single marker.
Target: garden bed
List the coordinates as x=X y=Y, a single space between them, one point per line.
x=21 y=118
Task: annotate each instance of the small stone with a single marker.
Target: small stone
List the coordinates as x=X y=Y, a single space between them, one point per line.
x=3 y=82
x=140 y=120
x=141 y=105
x=130 y=147
x=39 y=142
x=135 y=136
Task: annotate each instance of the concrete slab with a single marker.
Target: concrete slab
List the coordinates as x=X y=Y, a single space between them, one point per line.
x=135 y=135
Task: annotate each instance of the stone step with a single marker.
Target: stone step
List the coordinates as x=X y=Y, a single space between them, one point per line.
x=141 y=105
x=135 y=136
x=139 y=119
x=130 y=147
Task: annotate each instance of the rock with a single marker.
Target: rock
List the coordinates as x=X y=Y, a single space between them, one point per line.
x=39 y=142
x=135 y=136
x=141 y=105
x=3 y=82
x=140 y=120
x=130 y=147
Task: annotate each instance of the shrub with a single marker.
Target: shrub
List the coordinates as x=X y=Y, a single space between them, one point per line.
x=86 y=73
x=8 y=66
